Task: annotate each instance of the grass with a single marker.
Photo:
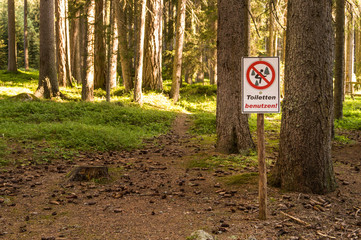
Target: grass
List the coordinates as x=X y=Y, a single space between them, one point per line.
x=351 y=115
x=241 y=179
x=68 y=126
x=230 y=161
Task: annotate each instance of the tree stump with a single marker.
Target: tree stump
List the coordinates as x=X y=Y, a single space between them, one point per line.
x=87 y=173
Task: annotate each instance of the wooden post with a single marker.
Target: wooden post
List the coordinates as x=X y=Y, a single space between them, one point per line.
x=262 y=188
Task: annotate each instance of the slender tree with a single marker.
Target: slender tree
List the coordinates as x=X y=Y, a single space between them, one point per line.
x=61 y=42
x=88 y=81
x=349 y=45
x=12 y=67
x=112 y=51
x=48 y=83
x=152 y=70
x=124 y=53
x=140 y=55
x=100 y=50
x=233 y=134
x=26 y=48
x=177 y=63
x=339 y=59
x=113 y=46
x=75 y=45
x=304 y=162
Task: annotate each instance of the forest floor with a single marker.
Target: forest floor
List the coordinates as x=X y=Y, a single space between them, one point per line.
x=159 y=192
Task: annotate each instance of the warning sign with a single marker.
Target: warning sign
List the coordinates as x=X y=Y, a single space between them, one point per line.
x=260 y=85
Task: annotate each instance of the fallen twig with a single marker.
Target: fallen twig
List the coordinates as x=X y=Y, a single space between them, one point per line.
x=324 y=235
x=296 y=219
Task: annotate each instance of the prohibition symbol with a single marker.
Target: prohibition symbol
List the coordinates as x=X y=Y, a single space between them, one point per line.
x=260 y=75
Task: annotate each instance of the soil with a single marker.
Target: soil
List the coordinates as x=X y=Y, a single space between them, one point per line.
x=154 y=194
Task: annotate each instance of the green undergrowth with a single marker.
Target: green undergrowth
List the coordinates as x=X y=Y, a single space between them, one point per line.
x=81 y=126
x=230 y=161
x=351 y=115
x=241 y=179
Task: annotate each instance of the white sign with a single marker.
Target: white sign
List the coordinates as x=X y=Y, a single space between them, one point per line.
x=260 y=85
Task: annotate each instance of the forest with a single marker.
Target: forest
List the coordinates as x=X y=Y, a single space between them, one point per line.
x=123 y=119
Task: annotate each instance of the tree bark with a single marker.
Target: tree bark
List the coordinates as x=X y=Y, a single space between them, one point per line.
x=358 y=50
x=48 y=83
x=12 y=67
x=88 y=81
x=349 y=58
x=76 y=62
x=339 y=59
x=61 y=42
x=152 y=70
x=114 y=44
x=271 y=29
x=304 y=162
x=177 y=63
x=100 y=54
x=124 y=52
x=140 y=55
x=233 y=43
x=26 y=48
x=112 y=51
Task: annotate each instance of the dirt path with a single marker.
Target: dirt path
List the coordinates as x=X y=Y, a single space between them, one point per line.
x=156 y=194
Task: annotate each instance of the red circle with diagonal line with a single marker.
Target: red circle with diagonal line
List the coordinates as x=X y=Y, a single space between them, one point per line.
x=253 y=67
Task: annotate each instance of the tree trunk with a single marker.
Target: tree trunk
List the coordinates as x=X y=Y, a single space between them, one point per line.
x=76 y=40
x=124 y=52
x=26 y=48
x=177 y=63
x=100 y=54
x=83 y=42
x=152 y=70
x=11 y=37
x=271 y=29
x=61 y=42
x=358 y=50
x=339 y=59
x=112 y=51
x=233 y=43
x=48 y=83
x=349 y=58
x=213 y=61
x=69 y=75
x=88 y=81
x=140 y=55
x=114 y=43
x=305 y=162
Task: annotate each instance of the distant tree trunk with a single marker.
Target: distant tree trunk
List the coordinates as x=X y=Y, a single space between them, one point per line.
x=304 y=162
x=83 y=42
x=11 y=37
x=48 y=83
x=88 y=81
x=112 y=51
x=113 y=46
x=233 y=134
x=358 y=50
x=61 y=41
x=124 y=52
x=271 y=30
x=177 y=63
x=349 y=58
x=100 y=54
x=76 y=46
x=152 y=70
x=213 y=58
x=26 y=48
x=68 y=47
x=140 y=55
x=339 y=59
